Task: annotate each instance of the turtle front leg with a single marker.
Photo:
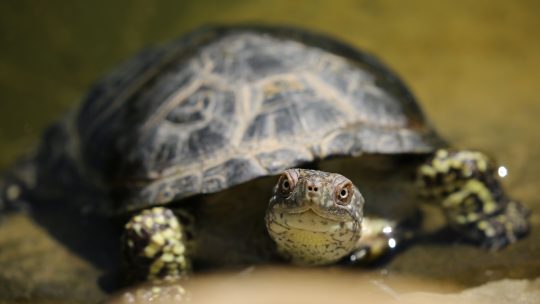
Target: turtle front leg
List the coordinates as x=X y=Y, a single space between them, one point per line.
x=154 y=246
x=468 y=189
x=378 y=239
x=382 y=237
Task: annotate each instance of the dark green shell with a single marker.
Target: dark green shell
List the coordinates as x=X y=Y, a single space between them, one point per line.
x=225 y=105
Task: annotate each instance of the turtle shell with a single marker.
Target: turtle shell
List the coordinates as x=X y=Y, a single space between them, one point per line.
x=225 y=105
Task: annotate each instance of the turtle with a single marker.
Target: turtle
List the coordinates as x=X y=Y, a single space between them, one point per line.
x=216 y=149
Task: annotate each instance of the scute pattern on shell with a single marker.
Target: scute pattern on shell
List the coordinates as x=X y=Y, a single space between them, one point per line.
x=224 y=105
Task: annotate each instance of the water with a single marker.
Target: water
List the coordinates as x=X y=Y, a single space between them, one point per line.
x=475 y=67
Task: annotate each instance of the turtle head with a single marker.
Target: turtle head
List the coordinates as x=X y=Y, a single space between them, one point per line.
x=314 y=217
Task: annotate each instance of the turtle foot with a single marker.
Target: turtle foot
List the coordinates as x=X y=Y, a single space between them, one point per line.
x=380 y=238
x=154 y=246
x=468 y=188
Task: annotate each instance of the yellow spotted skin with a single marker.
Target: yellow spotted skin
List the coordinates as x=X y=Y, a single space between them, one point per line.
x=155 y=246
x=467 y=188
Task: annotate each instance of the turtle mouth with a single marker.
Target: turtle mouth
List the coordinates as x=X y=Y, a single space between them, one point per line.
x=310 y=219
x=324 y=213
x=304 y=209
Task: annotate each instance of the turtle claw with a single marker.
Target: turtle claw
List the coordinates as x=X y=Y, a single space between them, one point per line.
x=503 y=229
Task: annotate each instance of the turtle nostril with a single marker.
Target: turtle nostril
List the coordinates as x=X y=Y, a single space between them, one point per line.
x=312 y=188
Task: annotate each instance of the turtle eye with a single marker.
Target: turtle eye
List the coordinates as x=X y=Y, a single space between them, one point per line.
x=286 y=184
x=344 y=194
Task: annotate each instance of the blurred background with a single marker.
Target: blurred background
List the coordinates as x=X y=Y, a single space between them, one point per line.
x=475 y=66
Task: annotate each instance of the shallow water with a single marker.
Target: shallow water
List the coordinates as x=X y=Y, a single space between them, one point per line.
x=475 y=66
